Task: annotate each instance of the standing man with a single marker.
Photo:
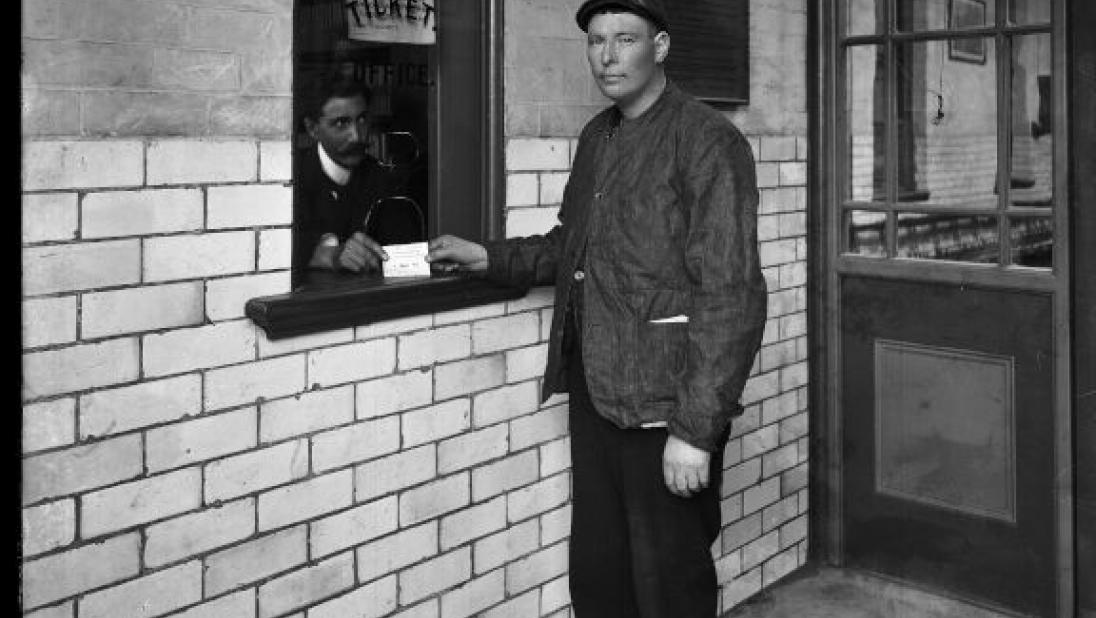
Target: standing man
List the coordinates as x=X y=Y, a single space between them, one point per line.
x=659 y=310
x=345 y=211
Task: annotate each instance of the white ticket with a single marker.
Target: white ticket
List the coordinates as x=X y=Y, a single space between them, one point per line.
x=407 y=260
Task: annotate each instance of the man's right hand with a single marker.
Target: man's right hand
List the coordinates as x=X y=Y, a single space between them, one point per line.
x=451 y=250
x=361 y=252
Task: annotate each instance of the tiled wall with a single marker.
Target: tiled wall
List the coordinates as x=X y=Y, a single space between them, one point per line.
x=177 y=459
x=179 y=463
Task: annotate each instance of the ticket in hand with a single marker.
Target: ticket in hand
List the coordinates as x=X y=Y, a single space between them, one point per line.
x=408 y=260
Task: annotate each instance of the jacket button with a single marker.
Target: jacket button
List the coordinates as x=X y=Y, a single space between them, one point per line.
x=579 y=275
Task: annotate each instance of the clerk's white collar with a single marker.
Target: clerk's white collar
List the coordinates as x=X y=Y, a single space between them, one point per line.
x=337 y=173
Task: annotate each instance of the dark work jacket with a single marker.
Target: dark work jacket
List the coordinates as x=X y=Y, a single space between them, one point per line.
x=323 y=206
x=660 y=212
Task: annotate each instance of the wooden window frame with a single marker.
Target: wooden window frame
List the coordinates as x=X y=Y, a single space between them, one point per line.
x=998 y=34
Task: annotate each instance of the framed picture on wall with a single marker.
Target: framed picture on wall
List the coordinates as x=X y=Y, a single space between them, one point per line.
x=963 y=14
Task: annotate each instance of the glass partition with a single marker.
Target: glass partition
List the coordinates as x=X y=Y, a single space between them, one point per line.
x=864 y=17
x=946 y=122
x=1030 y=12
x=1031 y=139
x=866 y=233
x=1032 y=241
x=866 y=131
x=948 y=126
x=396 y=140
x=959 y=238
x=920 y=15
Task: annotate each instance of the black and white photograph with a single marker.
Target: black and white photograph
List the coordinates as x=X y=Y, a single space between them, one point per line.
x=557 y=309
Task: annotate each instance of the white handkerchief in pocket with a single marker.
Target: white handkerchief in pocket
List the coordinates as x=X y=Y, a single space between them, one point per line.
x=674 y=319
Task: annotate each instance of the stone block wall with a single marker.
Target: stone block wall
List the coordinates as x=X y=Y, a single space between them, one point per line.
x=176 y=462
x=138 y=68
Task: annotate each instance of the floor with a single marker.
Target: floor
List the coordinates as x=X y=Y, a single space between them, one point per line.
x=836 y=593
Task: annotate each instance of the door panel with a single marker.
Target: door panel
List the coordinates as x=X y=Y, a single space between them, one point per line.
x=945 y=428
x=948 y=445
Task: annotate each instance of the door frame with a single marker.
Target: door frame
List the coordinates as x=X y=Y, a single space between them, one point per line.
x=824 y=309
x=1082 y=19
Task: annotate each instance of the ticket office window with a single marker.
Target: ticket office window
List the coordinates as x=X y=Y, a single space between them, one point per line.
x=423 y=63
x=433 y=133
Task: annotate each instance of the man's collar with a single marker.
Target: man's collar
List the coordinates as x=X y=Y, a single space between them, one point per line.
x=337 y=173
x=669 y=90
x=658 y=97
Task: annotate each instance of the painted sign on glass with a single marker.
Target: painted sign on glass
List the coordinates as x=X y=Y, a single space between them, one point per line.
x=392 y=21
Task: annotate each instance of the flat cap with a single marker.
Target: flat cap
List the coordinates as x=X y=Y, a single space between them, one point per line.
x=651 y=10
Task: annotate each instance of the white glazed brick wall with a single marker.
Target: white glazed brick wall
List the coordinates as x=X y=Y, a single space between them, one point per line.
x=179 y=464
x=407 y=464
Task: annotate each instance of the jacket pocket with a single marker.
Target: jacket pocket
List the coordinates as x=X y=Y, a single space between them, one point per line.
x=660 y=359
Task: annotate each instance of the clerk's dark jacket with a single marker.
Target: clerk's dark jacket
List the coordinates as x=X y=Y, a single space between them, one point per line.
x=371 y=202
x=660 y=214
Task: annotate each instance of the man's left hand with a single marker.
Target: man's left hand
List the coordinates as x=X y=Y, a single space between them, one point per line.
x=684 y=467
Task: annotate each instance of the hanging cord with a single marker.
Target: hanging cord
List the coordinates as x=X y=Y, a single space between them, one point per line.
x=939 y=93
x=420 y=218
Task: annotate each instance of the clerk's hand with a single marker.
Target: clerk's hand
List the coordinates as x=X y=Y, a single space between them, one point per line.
x=684 y=467
x=361 y=252
x=449 y=252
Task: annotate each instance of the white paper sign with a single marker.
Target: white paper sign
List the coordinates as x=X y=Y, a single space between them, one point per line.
x=392 y=21
x=406 y=260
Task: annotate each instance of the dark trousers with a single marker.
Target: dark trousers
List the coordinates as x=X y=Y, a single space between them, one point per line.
x=636 y=550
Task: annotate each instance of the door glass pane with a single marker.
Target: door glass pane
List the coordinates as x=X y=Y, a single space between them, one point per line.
x=864 y=16
x=946 y=123
x=918 y=15
x=1032 y=241
x=866 y=123
x=866 y=233
x=1031 y=180
x=963 y=238
x=1027 y=12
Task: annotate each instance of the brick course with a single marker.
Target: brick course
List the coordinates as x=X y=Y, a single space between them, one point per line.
x=254 y=560
x=48 y=526
x=152 y=595
x=196 y=533
x=48 y=424
x=200 y=439
x=142 y=501
x=49 y=216
x=140 y=213
x=60 y=575
x=353 y=527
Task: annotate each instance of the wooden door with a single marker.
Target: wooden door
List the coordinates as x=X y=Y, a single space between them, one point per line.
x=945 y=295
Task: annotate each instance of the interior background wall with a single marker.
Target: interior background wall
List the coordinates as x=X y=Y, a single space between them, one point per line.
x=176 y=462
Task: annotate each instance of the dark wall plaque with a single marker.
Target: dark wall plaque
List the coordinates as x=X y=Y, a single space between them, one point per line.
x=710 y=49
